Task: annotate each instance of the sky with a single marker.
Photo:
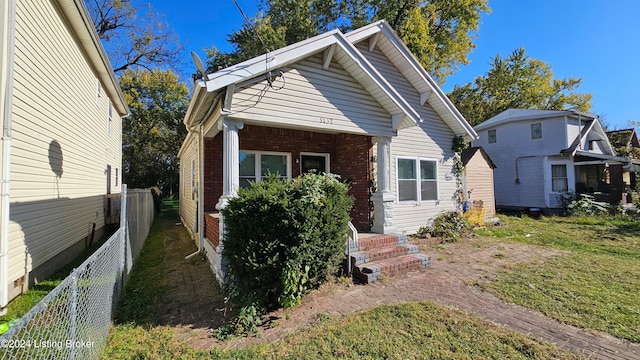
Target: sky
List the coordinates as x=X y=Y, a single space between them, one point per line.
x=596 y=40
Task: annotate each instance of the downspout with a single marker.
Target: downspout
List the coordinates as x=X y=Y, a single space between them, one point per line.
x=7 y=69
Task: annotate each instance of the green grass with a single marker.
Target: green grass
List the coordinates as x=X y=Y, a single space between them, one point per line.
x=21 y=305
x=596 y=285
x=406 y=331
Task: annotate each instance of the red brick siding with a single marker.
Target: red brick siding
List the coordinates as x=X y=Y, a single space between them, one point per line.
x=212 y=228
x=349 y=158
x=353 y=163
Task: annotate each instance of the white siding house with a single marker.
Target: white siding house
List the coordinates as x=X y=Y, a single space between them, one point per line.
x=61 y=110
x=334 y=103
x=541 y=154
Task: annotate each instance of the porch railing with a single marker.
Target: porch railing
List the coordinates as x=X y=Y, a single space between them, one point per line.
x=352 y=240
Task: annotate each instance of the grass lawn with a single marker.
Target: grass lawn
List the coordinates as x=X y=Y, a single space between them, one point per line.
x=407 y=331
x=595 y=286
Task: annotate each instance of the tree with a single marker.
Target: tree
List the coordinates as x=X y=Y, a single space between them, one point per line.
x=153 y=133
x=517 y=82
x=438 y=32
x=133 y=37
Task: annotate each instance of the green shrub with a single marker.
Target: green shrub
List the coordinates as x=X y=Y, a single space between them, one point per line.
x=584 y=204
x=284 y=237
x=450 y=226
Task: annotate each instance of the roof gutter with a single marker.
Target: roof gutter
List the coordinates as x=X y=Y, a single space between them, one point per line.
x=7 y=44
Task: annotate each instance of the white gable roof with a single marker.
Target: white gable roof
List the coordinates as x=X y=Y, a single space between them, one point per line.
x=515 y=115
x=335 y=45
x=382 y=36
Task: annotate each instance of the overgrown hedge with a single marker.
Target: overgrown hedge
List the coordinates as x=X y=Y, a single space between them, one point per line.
x=284 y=236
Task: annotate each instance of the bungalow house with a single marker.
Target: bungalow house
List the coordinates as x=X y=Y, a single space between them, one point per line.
x=541 y=154
x=60 y=113
x=625 y=143
x=358 y=105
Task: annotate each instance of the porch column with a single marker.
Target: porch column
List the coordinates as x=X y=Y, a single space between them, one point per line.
x=230 y=173
x=383 y=198
x=230 y=160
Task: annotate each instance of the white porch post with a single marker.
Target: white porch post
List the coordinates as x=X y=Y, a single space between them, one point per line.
x=383 y=199
x=230 y=168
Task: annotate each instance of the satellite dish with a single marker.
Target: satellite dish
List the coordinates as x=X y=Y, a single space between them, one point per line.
x=199 y=66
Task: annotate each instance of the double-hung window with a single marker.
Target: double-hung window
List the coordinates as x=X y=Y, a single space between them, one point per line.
x=255 y=166
x=559 y=180
x=417 y=179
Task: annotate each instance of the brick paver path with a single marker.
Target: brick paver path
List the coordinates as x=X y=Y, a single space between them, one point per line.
x=449 y=282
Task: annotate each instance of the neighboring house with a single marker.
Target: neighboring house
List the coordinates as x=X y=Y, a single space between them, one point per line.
x=625 y=143
x=331 y=103
x=477 y=179
x=61 y=110
x=541 y=154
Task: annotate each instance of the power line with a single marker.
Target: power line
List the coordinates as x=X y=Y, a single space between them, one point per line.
x=246 y=18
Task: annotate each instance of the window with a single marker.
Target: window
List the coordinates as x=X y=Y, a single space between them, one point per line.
x=117 y=176
x=536 y=131
x=409 y=188
x=559 y=181
x=491 y=134
x=257 y=165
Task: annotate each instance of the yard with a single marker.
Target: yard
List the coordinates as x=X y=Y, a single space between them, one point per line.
x=578 y=270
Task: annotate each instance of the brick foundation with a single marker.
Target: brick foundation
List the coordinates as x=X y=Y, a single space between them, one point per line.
x=212 y=228
x=349 y=157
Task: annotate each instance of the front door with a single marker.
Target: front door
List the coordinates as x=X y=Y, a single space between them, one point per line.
x=318 y=163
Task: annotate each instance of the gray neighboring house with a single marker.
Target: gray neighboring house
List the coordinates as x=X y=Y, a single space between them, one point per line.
x=541 y=154
x=61 y=150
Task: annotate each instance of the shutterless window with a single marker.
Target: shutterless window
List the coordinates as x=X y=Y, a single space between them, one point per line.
x=491 y=134
x=536 y=131
x=255 y=166
x=559 y=181
x=412 y=189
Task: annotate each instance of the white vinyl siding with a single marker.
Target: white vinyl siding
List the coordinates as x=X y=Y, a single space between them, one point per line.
x=55 y=194
x=188 y=178
x=430 y=139
x=313 y=98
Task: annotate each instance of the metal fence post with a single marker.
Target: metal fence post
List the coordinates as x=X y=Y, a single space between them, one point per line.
x=73 y=315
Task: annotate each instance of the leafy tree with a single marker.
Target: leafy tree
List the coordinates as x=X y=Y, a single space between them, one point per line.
x=153 y=133
x=133 y=36
x=517 y=82
x=438 y=32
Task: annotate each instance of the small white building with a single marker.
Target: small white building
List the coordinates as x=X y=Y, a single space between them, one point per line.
x=61 y=149
x=541 y=154
x=332 y=103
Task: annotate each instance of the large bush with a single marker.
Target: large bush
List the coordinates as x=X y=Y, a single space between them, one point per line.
x=283 y=236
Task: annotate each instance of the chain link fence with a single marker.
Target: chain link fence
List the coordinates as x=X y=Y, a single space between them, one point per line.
x=73 y=320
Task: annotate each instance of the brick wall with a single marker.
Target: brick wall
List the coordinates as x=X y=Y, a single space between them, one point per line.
x=212 y=228
x=349 y=158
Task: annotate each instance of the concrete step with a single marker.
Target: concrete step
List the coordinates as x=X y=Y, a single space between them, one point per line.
x=376 y=254
x=373 y=271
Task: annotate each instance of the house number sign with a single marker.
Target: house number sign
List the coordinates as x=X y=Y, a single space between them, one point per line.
x=324 y=120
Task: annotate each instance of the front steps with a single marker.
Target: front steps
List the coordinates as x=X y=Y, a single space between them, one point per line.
x=380 y=255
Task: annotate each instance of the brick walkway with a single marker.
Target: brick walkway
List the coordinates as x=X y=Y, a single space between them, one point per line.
x=446 y=283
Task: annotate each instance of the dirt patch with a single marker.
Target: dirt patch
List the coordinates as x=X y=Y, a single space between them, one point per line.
x=481 y=259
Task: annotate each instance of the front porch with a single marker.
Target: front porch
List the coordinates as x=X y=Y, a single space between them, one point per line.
x=609 y=179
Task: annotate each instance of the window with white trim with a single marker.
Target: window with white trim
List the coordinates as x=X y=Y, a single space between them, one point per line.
x=491 y=136
x=255 y=166
x=412 y=188
x=559 y=180
x=536 y=131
